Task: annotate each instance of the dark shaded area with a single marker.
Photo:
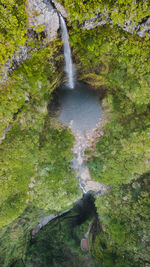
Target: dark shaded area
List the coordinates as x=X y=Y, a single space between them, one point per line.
x=53 y=105
x=58 y=243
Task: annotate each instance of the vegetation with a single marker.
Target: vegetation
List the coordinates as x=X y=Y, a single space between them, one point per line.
x=34 y=80
x=120 y=11
x=12 y=27
x=35 y=155
x=15 y=236
x=35 y=169
x=58 y=243
x=123 y=238
x=117 y=63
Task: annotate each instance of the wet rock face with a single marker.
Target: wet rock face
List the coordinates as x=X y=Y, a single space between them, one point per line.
x=41 y=12
x=141 y=29
x=144 y=27
x=41 y=15
x=98 y=20
x=18 y=58
x=84 y=244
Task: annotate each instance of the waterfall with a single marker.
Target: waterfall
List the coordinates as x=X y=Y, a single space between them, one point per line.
x=67 y=53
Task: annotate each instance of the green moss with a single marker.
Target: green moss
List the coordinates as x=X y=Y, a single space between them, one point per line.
x=124 y=216
x=57 y=243
x=35 y=80
x=120 y=11
x=35 y=168
x=113 y=60
x=13 y=19
x=15 y=236
x=35 y=155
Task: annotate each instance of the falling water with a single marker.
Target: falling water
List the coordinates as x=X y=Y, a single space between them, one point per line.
x=67 y=53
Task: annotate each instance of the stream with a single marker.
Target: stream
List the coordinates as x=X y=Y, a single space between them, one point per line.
x=79 y=109
x=81 y=112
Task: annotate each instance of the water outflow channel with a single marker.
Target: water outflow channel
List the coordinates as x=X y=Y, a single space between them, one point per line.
x=80 y=110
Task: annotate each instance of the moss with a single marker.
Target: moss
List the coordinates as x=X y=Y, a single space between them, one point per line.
x=12 y=27
x=35 y=155
x=123 y=237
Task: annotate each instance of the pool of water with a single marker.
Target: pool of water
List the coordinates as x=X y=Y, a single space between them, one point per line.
x=79 y=108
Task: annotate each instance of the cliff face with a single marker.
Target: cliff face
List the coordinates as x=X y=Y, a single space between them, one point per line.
x=42 y=16
x=42 y=19
x=140 y=29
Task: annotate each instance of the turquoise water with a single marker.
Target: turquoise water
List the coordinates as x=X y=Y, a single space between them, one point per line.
x=79 y=108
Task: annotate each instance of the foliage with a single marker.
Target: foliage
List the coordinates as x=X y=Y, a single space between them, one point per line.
x=19 y=154
x=124 y=216
x=12 y=27
x=56 y=186
x=118 y=63
x=123 y=151
x=35 y=155
x=115 y=61
x=120 y=11
x=118 y=60
x=57 y=243
x=33 y=80
x=15 y=236
x=35 y=168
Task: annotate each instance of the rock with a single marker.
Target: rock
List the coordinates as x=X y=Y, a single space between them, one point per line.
x=102 y=18
x=45 y=220
x=41 y=14
x=60 y=8
x=84 y=244
x=85 y=175
x=85 y=182
x=19 y=56
x=144 y=27
x=95 y=21
x=96 y=187
x=4 y=133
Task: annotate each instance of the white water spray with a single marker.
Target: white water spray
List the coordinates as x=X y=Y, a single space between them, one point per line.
x=67 y=54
